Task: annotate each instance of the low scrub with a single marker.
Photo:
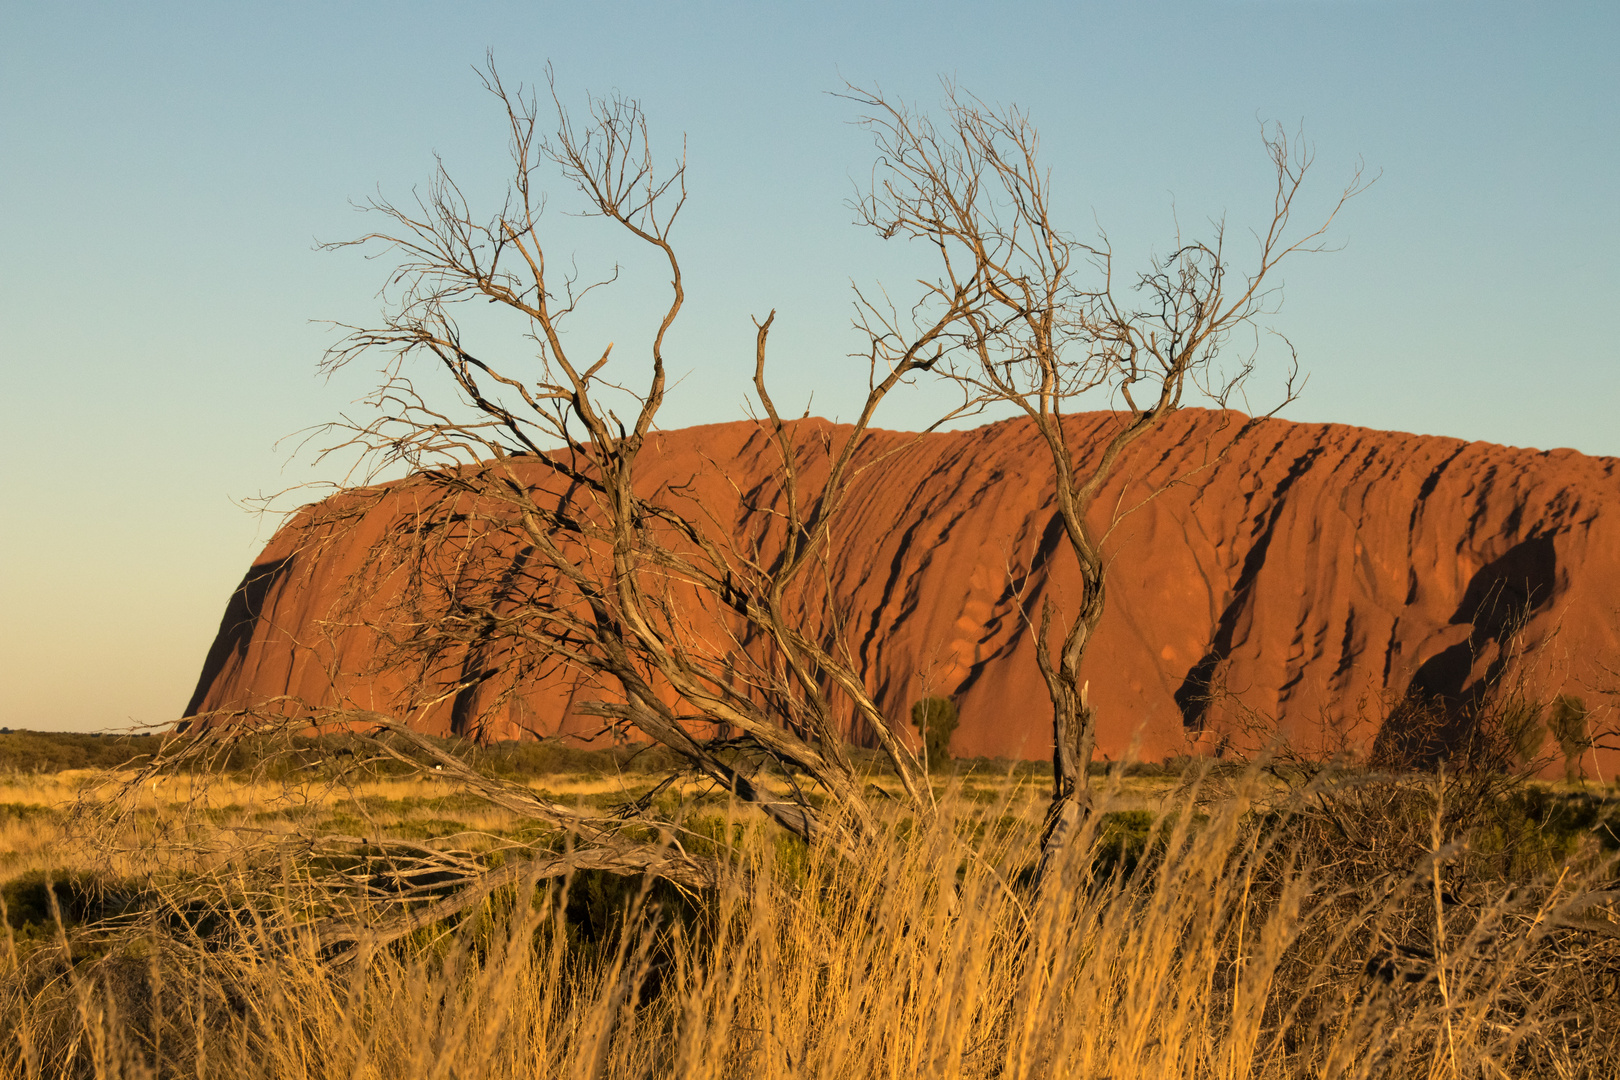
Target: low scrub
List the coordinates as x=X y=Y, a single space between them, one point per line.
x=56 y=751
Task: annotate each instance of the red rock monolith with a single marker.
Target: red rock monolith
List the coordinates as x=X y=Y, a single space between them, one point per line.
x=1295 y=580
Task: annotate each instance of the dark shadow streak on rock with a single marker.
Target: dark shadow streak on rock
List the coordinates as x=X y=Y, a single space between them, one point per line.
x=1193 y=695
x=242 y=614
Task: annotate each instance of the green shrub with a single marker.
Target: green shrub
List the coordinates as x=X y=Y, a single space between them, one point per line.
x=1567 y=722
x=935 y=718
x=81 y=897
x=1519 y=723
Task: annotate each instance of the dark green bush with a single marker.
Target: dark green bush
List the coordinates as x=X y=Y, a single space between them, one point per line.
x=80 y=898
x=935 y=718
x=1566 y=719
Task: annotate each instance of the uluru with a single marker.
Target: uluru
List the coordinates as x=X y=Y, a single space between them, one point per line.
x=1297 y=576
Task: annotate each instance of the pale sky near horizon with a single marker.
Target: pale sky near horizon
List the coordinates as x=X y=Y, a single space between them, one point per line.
x=166 y=170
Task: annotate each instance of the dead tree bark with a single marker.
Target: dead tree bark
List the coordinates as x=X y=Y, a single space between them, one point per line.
x=1042 y=323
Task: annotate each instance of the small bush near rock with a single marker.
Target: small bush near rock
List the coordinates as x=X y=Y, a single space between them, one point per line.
x=936 y=719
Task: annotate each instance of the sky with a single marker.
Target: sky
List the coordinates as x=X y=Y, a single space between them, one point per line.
x=167 y=172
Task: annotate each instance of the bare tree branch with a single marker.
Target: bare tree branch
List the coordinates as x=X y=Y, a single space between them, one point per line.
x=1025 y=315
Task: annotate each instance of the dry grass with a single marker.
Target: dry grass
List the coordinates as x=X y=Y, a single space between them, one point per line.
x=1220 y=942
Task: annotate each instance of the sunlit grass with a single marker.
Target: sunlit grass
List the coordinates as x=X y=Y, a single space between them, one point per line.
x=1197 y=932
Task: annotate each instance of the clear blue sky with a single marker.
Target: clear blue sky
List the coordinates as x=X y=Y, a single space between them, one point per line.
x=165 y=170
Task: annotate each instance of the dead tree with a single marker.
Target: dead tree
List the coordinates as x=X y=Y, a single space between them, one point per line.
x=528 y=548
x=535 y=551
x=1044 y=325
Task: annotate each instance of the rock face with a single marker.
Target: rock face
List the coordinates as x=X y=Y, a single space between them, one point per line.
x=1300 y=579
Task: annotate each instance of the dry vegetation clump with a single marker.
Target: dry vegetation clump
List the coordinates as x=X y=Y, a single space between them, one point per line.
x=1227 y=932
